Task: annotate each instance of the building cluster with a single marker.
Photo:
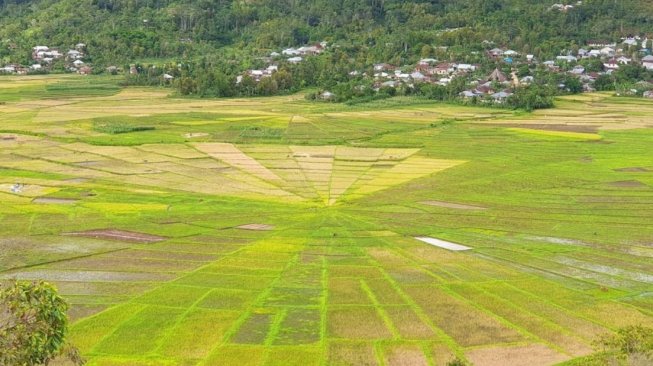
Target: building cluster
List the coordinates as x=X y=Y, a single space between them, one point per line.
x=498 y=86
x=43 y=57
x=427 y=70
x=290 y=55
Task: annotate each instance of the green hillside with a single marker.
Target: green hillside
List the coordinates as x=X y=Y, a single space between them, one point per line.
x=120 y=31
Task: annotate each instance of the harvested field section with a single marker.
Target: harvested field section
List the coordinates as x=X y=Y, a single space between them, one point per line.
x=459 y=319
x=536 y=355
x=405 y=355
x=356 y=323
x=351 y=354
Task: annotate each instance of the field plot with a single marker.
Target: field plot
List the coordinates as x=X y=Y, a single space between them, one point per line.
x=274 y=231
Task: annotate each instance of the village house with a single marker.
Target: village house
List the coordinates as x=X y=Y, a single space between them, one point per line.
x=470 y=94
x=561 y=7
x=85 y=70
x=601 y=44
x=9 y=69
x=498 y=76
x=383 y=67
x=500 y=97
x=291 y=52
x=608 y=51
x=594 y=53
x=496 y=52
x=624 y=60
x=327 y=95
x=647 y=62
x=427 y=61
x=463 y=68
x=567 y=58
x=444 y=69
x=295 y=60
x=611 y=64
x=630 y=41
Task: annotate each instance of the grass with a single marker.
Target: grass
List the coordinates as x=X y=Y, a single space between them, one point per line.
x=560 y=255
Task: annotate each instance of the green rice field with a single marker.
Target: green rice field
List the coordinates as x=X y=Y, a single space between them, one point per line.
x=276 y=231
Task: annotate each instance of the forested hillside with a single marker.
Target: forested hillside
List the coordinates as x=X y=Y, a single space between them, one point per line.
x=120 y=31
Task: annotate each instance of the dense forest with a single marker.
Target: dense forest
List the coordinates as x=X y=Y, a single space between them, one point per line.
x=122 y=31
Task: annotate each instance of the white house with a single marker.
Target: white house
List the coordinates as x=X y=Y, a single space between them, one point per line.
x=74 y=55
x=611 y=64
x=496 y=52
x=295 y=60
x=291 y=52
x=624 y=60
x=568 y=58
x=631 y=41
x=647 y=62
x=10 y=69
x=418 y=76
x=466 y=67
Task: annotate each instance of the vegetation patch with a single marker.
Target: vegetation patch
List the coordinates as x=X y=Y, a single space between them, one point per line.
x=116 y=128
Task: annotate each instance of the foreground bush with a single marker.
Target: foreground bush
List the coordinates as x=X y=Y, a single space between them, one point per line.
x=33 y=325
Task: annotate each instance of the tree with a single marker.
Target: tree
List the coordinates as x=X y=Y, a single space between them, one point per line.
x=33 y=325
x=629 y=344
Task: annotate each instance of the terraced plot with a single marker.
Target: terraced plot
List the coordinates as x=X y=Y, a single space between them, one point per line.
x=299 y=247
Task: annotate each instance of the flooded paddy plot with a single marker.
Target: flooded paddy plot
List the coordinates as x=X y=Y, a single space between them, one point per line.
x=442 y=244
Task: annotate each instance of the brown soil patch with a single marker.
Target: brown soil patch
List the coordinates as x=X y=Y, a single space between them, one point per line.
x=121 y=235
x=360 y=354
x=632 y=170
x=534 y=355
x=452 y=205
x=256 y=227
x=81 y=311
x=196 y=134
x=55 y=201
x=628 y=184
x=405 y=356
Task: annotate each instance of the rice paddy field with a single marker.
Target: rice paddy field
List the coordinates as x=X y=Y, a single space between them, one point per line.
x=274 y=231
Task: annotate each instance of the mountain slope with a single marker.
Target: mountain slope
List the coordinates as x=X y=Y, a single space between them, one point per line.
x=123 y=30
